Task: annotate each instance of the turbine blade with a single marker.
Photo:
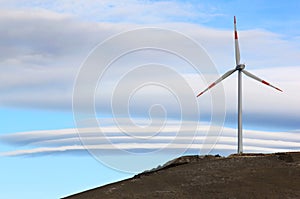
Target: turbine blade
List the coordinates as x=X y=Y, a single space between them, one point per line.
x=260 y=80
x=217 y=81
x=236 y=42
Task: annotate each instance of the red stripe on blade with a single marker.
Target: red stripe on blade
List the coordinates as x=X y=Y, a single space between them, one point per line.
x=199 y=94
x=234 y=20
x=212 y=85
x=235 y=35
x=263 y=81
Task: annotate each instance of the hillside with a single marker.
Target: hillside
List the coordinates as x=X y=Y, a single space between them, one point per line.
x=237 y=176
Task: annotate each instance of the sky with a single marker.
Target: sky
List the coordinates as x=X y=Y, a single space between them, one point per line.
x=92 y=92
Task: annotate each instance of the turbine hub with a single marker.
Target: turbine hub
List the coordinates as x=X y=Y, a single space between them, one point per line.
x=240 y=67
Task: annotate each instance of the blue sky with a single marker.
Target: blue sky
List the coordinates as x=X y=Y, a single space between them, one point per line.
x=44 y=45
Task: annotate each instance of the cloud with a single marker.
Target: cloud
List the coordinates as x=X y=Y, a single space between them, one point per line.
x=112 y=140
x=133 y=11
x=43 y=50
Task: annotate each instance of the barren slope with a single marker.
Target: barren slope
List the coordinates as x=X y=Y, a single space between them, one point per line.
x=237 y=176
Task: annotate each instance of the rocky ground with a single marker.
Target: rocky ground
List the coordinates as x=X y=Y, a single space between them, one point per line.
x=237 y=176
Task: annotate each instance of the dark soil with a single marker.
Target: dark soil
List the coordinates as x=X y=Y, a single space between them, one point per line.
x=237 y=176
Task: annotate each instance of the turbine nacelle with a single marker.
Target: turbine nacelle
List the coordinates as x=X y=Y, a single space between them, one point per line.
x=240 y=67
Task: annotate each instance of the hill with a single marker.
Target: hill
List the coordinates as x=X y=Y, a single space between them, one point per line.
x=237 y=176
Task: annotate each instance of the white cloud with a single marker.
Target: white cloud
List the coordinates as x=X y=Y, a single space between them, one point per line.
x=112 y=140
x=137 y=147
x=42 y=52
x=133 y=11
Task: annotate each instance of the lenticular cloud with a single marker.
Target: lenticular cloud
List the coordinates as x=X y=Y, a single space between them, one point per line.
x=111 y=140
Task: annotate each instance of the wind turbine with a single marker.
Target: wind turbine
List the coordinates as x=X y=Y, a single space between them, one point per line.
x=241 y=69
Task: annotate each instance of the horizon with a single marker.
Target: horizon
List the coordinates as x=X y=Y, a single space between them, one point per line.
x=91 y=88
